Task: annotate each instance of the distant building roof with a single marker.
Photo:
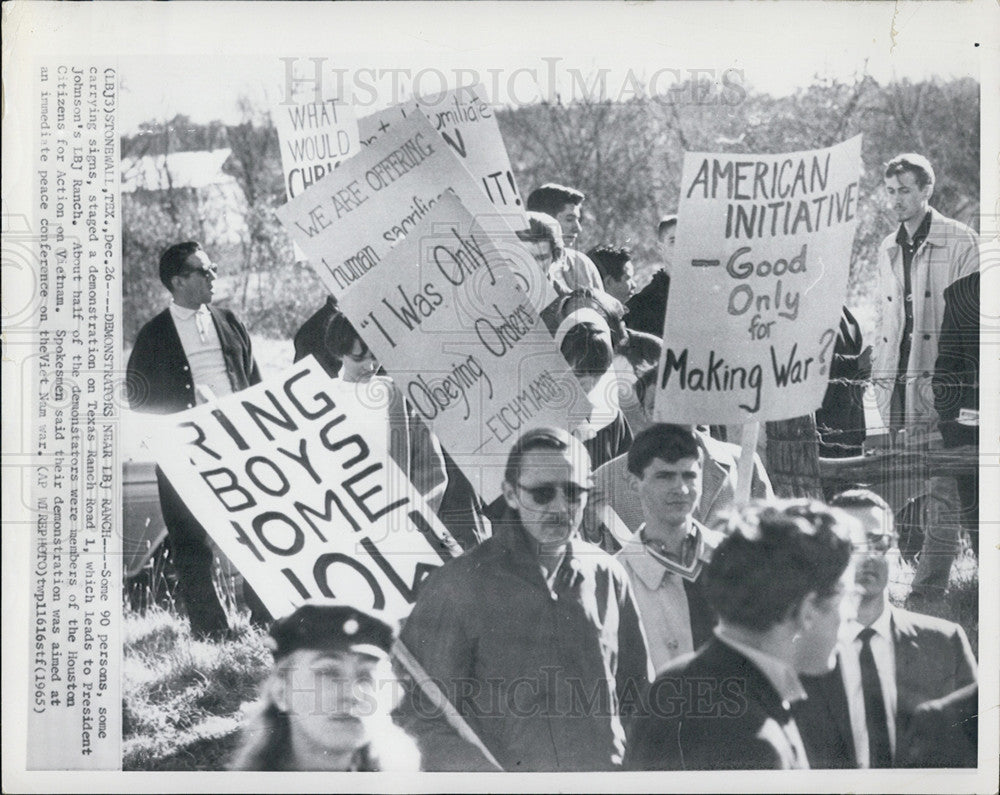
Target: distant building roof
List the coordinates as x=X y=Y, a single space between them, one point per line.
x=179 y=169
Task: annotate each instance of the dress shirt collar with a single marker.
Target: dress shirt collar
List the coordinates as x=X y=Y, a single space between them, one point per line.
x=881 y=625
x=184 y=313
x=779 y=673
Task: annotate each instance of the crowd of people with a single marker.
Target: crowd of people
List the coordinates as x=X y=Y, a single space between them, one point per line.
x=615 y=608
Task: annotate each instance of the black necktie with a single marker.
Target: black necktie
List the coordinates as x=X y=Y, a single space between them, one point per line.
x=879 y=751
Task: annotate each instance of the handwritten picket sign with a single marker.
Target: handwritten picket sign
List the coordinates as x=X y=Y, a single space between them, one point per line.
x=466 y=121
x=456 y=330
x=348 y=221
x=375 y=125
x=297 y=489
x=314 y=138
x=763 y=256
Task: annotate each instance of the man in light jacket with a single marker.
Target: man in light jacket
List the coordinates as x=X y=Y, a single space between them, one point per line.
x=916 y=264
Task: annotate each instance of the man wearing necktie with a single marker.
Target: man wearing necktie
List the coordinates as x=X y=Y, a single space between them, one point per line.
x=889 y=661
x=188 y=354
x=776 y=581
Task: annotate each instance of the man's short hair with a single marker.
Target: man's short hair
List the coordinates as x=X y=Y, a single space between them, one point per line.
x=543 y=438
x=551 y=198
x=172 y=261
x=669 y=443
x=543 y=228
x=865 y=498
x=776 y=554
x=610 y=260
x=664 y=226
x=918 y=165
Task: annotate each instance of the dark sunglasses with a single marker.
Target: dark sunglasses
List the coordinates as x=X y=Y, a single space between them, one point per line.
x=206 y=272
x=544 y=494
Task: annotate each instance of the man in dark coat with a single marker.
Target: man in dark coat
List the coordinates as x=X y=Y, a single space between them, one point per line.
x=647 y=309
x=188 y=354
x=776 y=582
x=889 y=661
x=527 y=651
x=956 y=388
x=840 y=421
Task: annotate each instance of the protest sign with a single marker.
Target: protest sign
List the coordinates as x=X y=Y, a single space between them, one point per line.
x=314 y=138
x=763 y=255
x=466 y=121
x=349 y=221
x=297 y=489
x=464 y=343
x=375 y=125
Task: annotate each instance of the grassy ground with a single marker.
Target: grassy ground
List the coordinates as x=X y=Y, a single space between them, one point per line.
x=184 y=699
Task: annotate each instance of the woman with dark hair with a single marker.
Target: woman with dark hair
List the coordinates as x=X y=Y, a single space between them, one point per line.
x=412 y=446
x=342 y=340
x=327 y=703
x=310 y=339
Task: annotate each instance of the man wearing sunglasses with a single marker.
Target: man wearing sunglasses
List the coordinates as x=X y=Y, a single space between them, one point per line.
x=530 y=643
x=190 y=353
x=889 y=660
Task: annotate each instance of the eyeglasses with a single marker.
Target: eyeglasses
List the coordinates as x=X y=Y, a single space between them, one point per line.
x=875 y=545
x=212 y=271
x=544 y=494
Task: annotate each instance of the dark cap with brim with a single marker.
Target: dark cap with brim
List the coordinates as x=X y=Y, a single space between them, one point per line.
x=331 y=625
